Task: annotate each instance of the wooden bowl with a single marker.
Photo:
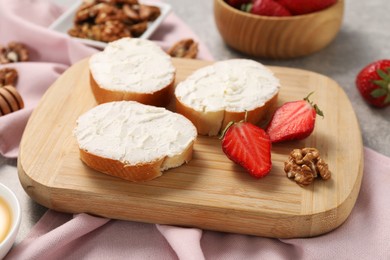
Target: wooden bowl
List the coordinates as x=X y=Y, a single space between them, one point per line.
x=278 y=37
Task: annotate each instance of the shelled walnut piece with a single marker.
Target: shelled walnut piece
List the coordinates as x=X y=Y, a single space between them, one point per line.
x=109 y=20
x=14 y=52
x=305 y=165
x=186 y=48
x=8 y=76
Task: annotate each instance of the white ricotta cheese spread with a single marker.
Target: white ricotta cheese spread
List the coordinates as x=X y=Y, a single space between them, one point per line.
x=133 y=133
x=233 y=85
x=132 y=65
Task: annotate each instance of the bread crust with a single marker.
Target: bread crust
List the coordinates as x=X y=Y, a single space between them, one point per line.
x=160 y=98
x=212 y=123
x=138 y=172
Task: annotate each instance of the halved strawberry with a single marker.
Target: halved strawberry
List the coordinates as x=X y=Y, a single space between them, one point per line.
x=248 y=146
x=293 y=120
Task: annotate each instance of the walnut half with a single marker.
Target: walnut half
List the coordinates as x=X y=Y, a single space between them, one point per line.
x=305 y=165
x=8 y=76
x=186 y=48
x=14 y=52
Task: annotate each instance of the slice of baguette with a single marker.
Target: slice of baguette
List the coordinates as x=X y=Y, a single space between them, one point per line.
x=132 y=69
x=213 y=96
x=133 y=141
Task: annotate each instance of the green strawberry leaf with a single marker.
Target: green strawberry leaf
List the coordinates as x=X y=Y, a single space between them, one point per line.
x=383 y=75
x=379 y=92
x=246 y=7
x=232 y=123
x=225 y=130
x=316 y=108
x=381 y=83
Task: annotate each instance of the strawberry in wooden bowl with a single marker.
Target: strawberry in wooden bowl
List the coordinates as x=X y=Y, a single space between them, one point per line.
x=299 y=7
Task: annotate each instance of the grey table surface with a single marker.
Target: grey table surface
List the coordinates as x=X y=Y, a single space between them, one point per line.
x=364 y=37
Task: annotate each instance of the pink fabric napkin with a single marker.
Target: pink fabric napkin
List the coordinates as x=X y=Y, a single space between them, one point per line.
x=51 y=54
x=364 y=235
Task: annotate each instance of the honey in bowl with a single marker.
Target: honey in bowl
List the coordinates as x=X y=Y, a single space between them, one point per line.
x=5 y=219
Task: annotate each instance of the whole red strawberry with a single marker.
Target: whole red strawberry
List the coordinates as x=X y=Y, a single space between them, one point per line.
x=237 y=3
x=293 y=121
x=268 y=8
x=373 y=82
x=248 y=146
x=297 y=7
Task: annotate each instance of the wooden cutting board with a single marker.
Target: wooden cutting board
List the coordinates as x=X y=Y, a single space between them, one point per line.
x=210 y=192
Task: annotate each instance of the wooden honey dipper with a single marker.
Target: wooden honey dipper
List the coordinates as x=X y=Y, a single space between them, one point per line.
x=10 y=100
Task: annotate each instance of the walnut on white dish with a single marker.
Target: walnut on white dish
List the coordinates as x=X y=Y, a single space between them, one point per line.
x=107 y=32
x=111 y=20
x=13 y=52
x=305 y=165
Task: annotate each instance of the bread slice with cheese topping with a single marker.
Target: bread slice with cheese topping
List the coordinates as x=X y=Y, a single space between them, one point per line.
x=214 y=95
x=133 y=141
x=132 y=69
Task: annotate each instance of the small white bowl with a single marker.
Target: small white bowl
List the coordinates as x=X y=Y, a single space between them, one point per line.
x=9 y=197
x=65 y=22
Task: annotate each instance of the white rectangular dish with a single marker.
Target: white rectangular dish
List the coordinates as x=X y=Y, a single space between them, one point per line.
x=65 y=22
